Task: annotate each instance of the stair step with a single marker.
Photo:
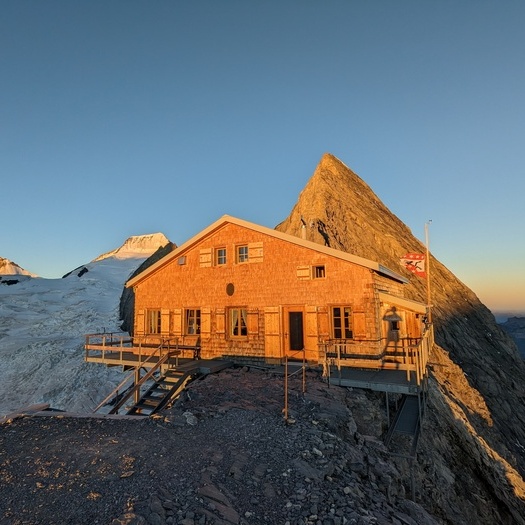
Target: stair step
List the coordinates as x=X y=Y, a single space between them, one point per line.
x=172 y=378
x=147 y=403
x=151 y=397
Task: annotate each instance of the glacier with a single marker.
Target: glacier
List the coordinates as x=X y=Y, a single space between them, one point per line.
x=42 y=327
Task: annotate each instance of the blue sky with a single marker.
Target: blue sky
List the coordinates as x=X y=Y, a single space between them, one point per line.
x=129 y=117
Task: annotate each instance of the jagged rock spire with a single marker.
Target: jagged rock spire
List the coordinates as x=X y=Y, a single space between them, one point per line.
x=477 y=374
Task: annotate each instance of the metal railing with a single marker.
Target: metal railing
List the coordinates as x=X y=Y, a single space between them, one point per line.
x=413 y=353
x=287 y=375
x=114 y=347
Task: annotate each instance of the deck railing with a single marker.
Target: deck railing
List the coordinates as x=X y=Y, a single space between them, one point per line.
x=116 y=347
x=410 y=354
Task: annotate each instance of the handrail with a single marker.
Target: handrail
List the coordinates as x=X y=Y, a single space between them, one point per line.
x=139 y=384
x=118 y=344
x=415 y=356
x=303 y=351
x=115 y=391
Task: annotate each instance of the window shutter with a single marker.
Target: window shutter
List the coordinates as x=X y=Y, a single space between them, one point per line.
x=205 y=257
x=272 y=339
x=205 y=322
x=359 y=325
x=140 y=323
x=177 y=321
x=255 y=252
x=253 y=322
x=164 y=321
x=311 y=335
x=303 y=273
x=220 y=322
x=323 y=323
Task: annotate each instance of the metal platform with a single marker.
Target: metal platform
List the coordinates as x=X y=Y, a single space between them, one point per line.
x=395 y=381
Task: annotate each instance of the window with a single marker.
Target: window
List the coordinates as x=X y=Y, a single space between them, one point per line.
x=238 y=322
x=193 y=322
x=342 y=322
x=242 y=253
x=318 y=272
x=220 y=256
x=153 y=321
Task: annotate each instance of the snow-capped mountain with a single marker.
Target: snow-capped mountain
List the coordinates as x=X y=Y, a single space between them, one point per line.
x=137 y=246
x=42 y=328
x=8 y=267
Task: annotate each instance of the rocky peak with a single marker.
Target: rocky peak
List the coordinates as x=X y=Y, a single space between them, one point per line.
x=8 y=267
x=473 y=439
x=137 y=246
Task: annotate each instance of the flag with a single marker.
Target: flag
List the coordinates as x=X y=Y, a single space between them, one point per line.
x=415 y=263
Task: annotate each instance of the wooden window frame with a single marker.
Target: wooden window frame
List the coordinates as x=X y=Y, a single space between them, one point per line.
x=238 y=322
x=153 y=321
x=242 y=253
x=192 y=319
x=342 y=322
x=319 y=271
x=220 y=256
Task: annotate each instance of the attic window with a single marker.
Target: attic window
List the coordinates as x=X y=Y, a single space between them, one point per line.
x=220 y=256
x=242 y=253
x=319 y=272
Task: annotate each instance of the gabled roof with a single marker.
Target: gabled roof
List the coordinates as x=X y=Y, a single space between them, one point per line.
x=227 y=219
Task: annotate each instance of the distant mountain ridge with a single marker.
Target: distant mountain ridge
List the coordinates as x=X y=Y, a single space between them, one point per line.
x=134 y=247
x=8 y=267
x=515 y=327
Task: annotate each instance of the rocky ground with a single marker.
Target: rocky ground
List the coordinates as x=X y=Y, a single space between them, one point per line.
x=223 y=454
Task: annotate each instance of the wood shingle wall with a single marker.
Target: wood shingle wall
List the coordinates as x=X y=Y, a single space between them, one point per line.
x=279 y=277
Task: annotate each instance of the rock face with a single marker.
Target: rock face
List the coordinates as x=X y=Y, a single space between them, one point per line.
x=127 y=299
x=471 y=459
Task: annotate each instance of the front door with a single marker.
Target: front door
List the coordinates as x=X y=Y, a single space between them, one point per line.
x=295 y=331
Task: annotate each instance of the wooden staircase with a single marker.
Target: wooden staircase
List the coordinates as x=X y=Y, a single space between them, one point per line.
x=164 y=389
x=158 y=386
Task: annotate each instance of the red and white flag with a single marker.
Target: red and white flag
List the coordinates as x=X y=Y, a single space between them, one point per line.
x=415 y=263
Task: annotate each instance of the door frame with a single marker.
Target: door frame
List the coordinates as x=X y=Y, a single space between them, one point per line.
x=287 y=310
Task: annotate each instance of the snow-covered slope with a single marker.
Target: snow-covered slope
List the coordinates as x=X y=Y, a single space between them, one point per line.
x=42 y=328
x=8 y=267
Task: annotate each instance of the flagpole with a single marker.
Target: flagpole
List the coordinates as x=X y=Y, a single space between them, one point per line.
x=429 y=303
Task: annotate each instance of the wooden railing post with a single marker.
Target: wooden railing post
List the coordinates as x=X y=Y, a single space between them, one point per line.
x=286 y=388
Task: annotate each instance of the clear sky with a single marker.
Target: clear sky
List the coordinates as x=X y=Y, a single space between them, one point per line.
x=128 y=117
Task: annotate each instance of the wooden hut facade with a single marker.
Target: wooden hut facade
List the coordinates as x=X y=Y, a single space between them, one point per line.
x=240 y=290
